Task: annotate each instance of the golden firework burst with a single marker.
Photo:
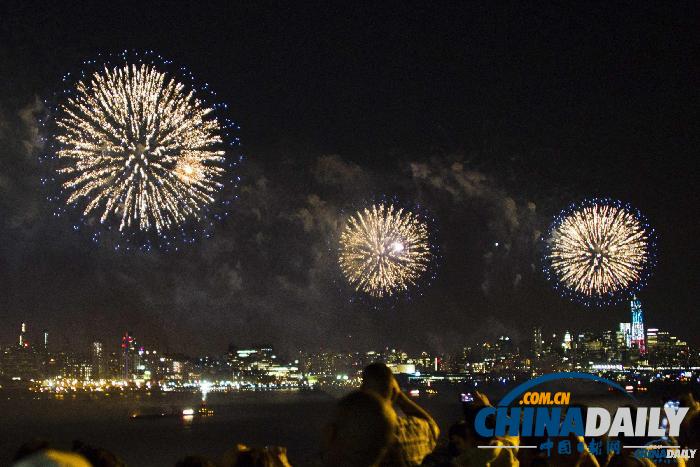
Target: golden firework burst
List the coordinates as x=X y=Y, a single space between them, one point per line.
x=599 y=249
x=138 y=148
x=384 y=250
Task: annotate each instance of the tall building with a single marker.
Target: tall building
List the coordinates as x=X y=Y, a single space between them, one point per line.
x=46 y=340
x=21 y=362
x=652 y=339
x=537 y=342
x=610 y=347
x=624 y=336
x=23 y=342
x=590 y=346
x=637 y=337
x=99 y=362
x=566 y=345
x=128 y=356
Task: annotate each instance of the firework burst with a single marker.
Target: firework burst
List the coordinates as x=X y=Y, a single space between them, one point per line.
x=138 y=150
x=384 y=250
x=599 y=251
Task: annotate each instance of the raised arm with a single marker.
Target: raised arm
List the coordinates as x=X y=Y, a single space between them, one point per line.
x=410 y=408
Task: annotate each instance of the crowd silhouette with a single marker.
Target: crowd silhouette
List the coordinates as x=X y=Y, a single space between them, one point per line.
x=379 y=425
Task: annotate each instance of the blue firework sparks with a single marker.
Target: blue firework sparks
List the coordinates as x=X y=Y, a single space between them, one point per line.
x=599 y=252
x=140 y=153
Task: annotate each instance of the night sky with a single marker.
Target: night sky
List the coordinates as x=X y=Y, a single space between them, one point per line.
x=492 y=118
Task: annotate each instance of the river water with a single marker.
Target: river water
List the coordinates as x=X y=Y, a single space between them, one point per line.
x=290 y=419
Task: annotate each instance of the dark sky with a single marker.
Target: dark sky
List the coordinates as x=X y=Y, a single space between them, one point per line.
x=492 y=117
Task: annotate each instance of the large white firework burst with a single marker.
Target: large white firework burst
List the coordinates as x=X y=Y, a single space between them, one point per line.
x=138 y=148
x=599 y=250
x=384 y=250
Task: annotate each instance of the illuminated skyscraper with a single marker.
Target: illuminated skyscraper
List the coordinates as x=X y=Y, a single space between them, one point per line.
x=566 y=345
x=652 y=339
x=625 y=335
x=99 y=363
x=23 y=336
x=128 y=353
x=537 y=342
x=637 y=338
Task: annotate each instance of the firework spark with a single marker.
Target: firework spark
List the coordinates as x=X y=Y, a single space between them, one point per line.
x=384 y=250
x=138 y=148
x=599 y=250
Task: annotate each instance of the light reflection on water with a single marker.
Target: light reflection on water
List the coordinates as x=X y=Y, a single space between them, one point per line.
x=271 y=418
x=103 y=420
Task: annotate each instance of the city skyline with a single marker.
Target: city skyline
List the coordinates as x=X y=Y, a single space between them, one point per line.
x=636 y=333
x=655 y=358
x=65 y=342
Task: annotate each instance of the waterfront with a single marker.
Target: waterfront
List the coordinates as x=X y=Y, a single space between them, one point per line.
x=255 y=418
x=291 y=419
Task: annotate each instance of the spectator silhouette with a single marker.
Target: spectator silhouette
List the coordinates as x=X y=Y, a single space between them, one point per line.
x=98 y=457
x=360 y=432
x=30 y=447
x=445 y=454
x=53 y=458
x=416 y=432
